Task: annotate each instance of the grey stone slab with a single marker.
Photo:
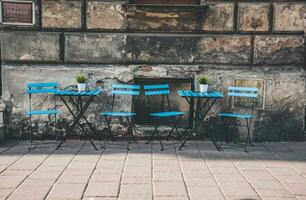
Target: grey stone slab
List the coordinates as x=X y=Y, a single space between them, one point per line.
x=66 y=191
x=102 y=189
x=169 y=189
x=30 y=46
x=30 y=192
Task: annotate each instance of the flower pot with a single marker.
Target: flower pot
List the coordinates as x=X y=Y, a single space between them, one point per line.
x=203 y=88
x=81 y=87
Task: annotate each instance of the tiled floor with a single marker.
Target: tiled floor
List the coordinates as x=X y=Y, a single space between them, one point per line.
x=274 y=171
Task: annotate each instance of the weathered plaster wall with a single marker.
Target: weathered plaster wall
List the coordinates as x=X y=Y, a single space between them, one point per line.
x=115 y=42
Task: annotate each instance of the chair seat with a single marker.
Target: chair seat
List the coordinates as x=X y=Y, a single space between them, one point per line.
x=167 y=114
x=119 y=114
x=243 y=116
x=42 y=112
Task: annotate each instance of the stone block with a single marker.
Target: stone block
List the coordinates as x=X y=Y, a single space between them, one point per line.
x=161 y=18
x=61 y=13
x=279 y=50
x=224 y=49
x=105 y=15
x=94 y=48
x=289 y=16
x=30 y=46
x=192 y=49
x=224 y=12
x=253 y=17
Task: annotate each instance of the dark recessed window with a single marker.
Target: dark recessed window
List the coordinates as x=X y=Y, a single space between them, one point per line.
x=17 y=12
x=178 y=2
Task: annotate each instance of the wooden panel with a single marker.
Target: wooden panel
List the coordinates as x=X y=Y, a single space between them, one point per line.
x=195 y=2
x=17 y=12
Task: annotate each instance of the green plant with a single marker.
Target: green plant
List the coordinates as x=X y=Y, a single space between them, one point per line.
x=203 y=80
x=81 y=78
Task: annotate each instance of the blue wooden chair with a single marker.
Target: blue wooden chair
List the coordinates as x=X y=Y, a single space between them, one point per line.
x=39 y=89
x=250 y=94
x=163 y=91
x=120 y=89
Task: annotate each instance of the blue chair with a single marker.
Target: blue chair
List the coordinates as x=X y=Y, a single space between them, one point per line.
x=248 y=93
x=120 y=89
x=163 y=91
x=39 y=89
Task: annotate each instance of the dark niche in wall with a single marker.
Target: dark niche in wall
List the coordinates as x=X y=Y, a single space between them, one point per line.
x=165 y=15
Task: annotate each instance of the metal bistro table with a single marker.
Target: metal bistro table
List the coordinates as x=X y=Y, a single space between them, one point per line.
x=200 y=111
x=80 y=101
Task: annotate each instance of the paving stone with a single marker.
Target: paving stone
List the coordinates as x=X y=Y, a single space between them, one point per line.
x=66 y=190
x=16 y=172
x=75 y=179
x=297 y=188
x=135 y=196
x=144 y=180
x=274 y=193
x=169 y=189
x=237 y=188
x=10 y=181
x=243 y=198
x=45 y=174
x=167 y=176
x=171 y=198
x=99 y=198
x=102 y=189
x=198 y=192
x=273 y=185
x=30 y=192
x=101 y=177
x=5 y=192
x=136 y=189
x=278 y=198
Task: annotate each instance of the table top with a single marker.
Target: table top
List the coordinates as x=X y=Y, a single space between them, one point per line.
x=95 y=92
x=195 y=94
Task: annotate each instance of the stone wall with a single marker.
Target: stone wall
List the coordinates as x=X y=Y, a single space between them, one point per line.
x=113 y=41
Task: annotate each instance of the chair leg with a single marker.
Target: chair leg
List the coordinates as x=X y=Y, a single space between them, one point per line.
x=109 y=131
x=152 y=135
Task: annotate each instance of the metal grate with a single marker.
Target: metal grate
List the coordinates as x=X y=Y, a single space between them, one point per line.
x=17 y=12
x=177 y=103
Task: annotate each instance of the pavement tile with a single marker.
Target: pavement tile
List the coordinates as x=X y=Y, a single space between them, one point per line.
x=135 y=197
x=66 y=190
x=297 y=188
x=169 y=189
x=208 y=192
x=237 y=188
x=274 y=193
x=136 y=189
x=101 y=177
x=5 y=192
x=167 y=176
x=10 y=181
x=30 y=192
x=171 y=198
x=74 y=179
x=102 y=189
x=243 y=198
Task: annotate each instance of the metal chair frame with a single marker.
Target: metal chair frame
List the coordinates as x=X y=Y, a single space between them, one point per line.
x=163 y=91
x=41 y=88
x=121 y=89
x=246 y=92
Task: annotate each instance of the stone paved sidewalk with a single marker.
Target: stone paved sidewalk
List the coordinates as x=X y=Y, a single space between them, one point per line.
x=274 y=171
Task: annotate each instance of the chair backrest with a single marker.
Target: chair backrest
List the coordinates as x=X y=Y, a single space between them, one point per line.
x=249 y=93
x=39 y=88
x=155 y=90
x=123 y=89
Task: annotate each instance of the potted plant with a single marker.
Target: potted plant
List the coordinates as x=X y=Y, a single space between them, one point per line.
x=203 y=82
x=81 y=79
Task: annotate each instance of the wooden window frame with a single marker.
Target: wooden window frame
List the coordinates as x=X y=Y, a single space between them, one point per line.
x=18 y=23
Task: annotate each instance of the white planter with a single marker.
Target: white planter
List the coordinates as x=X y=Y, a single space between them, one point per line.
x=81 y=87
x=203 y=88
